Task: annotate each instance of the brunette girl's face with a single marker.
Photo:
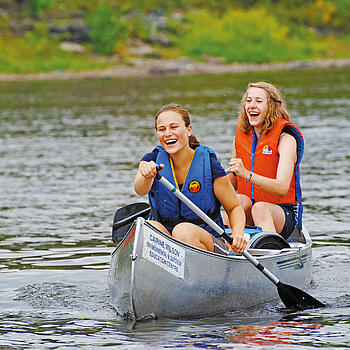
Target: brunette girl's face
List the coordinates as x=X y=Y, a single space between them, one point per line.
x=256 y=106
x=172 y=132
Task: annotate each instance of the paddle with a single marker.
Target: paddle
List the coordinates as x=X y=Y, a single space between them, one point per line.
x=291 y=297
x=125 y=216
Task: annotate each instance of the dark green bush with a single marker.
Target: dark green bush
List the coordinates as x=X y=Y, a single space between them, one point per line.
x=36 y=7
x=108 y=27
x=341 y=19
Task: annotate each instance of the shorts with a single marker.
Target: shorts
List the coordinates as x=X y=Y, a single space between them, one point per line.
x=290 y=217
x=220 y=246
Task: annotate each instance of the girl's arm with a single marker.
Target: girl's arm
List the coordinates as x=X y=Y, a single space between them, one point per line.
x=226 y=194
x=145 y=176
x=279 y=186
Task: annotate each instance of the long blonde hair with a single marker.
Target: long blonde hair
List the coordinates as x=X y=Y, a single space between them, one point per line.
x=193 y=142
x=276 y=108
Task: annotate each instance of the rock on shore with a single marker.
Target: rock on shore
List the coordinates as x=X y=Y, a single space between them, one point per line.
x=145 y=67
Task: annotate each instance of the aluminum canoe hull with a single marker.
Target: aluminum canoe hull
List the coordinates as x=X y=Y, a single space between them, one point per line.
x=153 y=275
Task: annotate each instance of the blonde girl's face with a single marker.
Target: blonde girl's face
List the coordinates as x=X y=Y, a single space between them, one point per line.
x=172 y=132
x=256 y=106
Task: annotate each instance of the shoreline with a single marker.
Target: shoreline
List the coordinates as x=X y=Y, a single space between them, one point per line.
x=143 y=68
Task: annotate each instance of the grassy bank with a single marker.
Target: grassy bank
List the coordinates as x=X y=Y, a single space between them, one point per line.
x=233 y=31
x=34 y=54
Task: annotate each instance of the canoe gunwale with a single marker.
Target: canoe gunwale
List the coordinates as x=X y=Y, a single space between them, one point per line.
x=260 y=253
x=255 y=252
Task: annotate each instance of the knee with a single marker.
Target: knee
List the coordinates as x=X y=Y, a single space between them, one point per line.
x=183 y=232
x=245 y=202
x=159 y=226
x=260 y=208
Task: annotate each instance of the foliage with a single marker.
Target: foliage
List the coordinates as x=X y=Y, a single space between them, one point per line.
x=254 y=31
x=140 y=6
x=139 y=26
x=320 y=14
x=341 y=18
x=37 y=7
x=331 y=48
x=108 y=27
x=36 y=52
x=75 y=5
x=242 y=36
x=4 y=22
x=148 y=6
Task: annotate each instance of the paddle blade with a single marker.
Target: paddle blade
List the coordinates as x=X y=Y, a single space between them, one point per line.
x=293 y=297
x=125 y=216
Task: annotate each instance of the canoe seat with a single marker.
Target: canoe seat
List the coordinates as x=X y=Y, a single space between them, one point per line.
x=259 y=239
x=267 y=240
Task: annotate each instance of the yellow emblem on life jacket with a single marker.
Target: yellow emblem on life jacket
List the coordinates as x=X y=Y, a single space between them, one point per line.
x=194 y=186
x=267 y=150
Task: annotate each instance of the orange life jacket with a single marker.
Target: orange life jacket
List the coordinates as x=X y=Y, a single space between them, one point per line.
x=261 y=156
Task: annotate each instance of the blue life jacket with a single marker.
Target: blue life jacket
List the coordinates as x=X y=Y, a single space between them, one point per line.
x=296 y=133
x=198 y=187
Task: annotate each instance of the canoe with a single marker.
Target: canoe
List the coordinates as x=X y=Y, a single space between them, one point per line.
x=153 y=275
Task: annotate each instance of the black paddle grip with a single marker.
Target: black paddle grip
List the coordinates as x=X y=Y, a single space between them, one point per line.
x=158 y=177
x=260 y=267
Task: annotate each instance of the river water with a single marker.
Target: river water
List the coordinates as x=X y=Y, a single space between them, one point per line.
x=68 y=154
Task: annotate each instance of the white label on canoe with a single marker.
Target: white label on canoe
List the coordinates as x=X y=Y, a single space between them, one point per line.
x=163 y=253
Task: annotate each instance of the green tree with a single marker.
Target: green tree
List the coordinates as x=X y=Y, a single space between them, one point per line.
x=37 y=7
x=108 y=27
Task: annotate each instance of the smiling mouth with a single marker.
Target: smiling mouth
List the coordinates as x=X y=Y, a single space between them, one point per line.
x=254 y=114
x=170 y=142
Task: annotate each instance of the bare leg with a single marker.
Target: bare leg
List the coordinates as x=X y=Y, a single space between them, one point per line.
x=246 y=204
x=193 y=235
x=270 y=217
x=159 y=226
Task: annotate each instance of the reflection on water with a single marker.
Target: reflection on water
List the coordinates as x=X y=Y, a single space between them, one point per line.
x=283 y=331
x=68 y=154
